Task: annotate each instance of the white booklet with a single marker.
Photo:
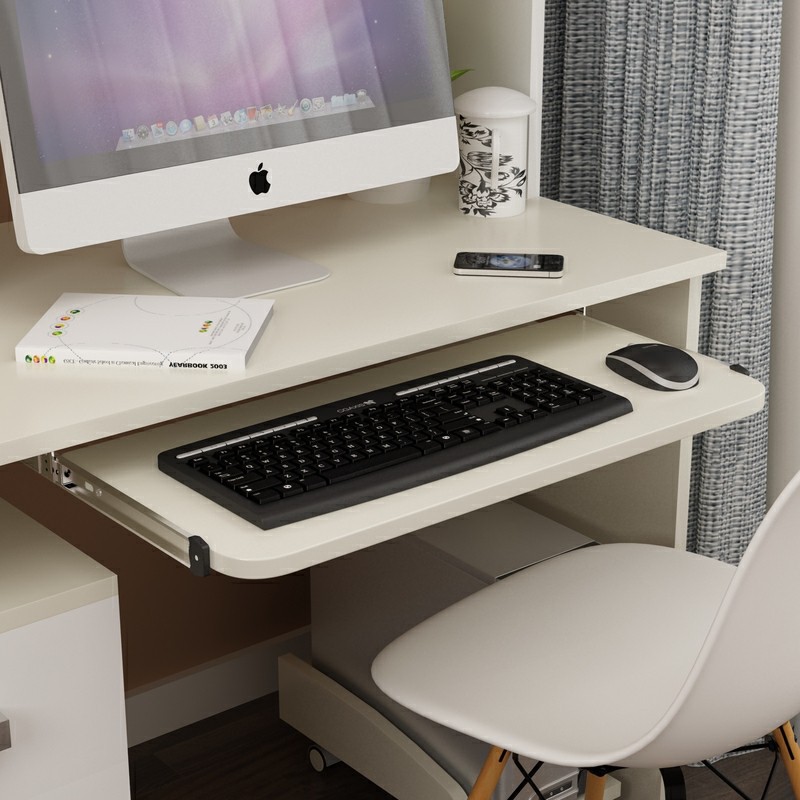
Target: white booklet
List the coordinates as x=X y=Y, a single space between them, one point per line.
x=168 y=332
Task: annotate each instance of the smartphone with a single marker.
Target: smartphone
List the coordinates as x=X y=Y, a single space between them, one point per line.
x=510 y=265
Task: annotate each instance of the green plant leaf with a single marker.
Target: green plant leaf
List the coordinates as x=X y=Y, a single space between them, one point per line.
x=457 y=73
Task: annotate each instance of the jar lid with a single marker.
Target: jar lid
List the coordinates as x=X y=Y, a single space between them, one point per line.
x=494 y=102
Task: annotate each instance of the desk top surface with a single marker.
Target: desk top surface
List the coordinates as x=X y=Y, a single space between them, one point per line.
x=391 y=293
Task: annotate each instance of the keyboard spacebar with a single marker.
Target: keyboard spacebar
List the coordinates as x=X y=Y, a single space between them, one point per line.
x=368 y=465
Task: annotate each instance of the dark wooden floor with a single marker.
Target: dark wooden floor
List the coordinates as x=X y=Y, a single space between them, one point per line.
x=247 y=753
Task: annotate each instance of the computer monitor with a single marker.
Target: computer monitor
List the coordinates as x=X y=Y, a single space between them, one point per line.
x=154 y=121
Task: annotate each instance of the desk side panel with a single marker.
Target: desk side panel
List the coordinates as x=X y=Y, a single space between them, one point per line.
x=61 y=687
x=644 y=498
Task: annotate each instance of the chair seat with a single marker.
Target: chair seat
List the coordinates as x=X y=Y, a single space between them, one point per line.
x=573 y=661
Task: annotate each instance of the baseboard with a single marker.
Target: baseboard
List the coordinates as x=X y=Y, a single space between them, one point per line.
x=213 y=687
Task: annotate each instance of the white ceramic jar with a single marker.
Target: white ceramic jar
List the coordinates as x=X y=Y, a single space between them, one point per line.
x=493 y=142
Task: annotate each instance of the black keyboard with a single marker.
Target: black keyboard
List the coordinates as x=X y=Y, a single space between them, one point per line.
x=360 y=448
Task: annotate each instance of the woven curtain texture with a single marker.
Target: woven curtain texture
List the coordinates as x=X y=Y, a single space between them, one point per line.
x=664 y=113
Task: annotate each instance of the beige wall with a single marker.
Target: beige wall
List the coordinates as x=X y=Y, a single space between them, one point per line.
x=171 y=620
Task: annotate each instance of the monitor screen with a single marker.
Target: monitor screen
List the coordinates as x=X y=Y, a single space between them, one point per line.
x=97 y=90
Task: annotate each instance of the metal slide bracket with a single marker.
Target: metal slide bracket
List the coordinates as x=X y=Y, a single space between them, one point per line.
x=49 y=466
x=191 y=551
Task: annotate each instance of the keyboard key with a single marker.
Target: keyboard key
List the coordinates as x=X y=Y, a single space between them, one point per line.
x=247 y=477
x=265 y=496
x=452 y=416
x=373 y=464
x=428 y=446
x=556 y=406
x=456 y=423
x=227 y=474
x=485 y=428
x=212 y=470
x=257 y=486
x=536 y=413
x=312 y=482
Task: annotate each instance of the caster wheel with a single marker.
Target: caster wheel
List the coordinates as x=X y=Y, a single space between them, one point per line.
x=319 y=758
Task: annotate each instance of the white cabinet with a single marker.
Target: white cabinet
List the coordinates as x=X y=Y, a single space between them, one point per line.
x=60 y=670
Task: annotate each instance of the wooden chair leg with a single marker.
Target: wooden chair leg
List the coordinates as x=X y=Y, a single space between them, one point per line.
x=490 y=774
x=790 y=755
x=595 y=786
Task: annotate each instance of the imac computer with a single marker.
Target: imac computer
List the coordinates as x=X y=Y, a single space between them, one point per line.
x=155 y=121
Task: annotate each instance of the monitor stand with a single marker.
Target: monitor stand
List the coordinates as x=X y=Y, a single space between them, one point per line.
x=210 y=260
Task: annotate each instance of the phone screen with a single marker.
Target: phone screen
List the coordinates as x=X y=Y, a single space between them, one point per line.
x=510 y=262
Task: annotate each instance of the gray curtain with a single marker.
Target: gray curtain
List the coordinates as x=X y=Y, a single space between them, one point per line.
x=664 y=113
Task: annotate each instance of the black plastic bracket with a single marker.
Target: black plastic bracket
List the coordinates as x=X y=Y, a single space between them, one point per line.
x=199 y=557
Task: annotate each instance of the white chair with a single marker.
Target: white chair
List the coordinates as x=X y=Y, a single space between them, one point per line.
x=617 y=655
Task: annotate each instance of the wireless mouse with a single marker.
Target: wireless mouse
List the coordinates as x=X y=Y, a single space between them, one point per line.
x=656 y=366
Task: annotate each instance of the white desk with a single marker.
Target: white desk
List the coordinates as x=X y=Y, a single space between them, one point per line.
x=391 y=295
x=390 y=310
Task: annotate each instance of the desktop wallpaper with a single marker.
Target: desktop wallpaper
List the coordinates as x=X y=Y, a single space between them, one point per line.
x=101 y=71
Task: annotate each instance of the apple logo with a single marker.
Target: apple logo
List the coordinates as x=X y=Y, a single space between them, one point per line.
x=258 y=180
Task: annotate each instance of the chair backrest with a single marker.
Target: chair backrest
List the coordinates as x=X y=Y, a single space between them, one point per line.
x=746 y=681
